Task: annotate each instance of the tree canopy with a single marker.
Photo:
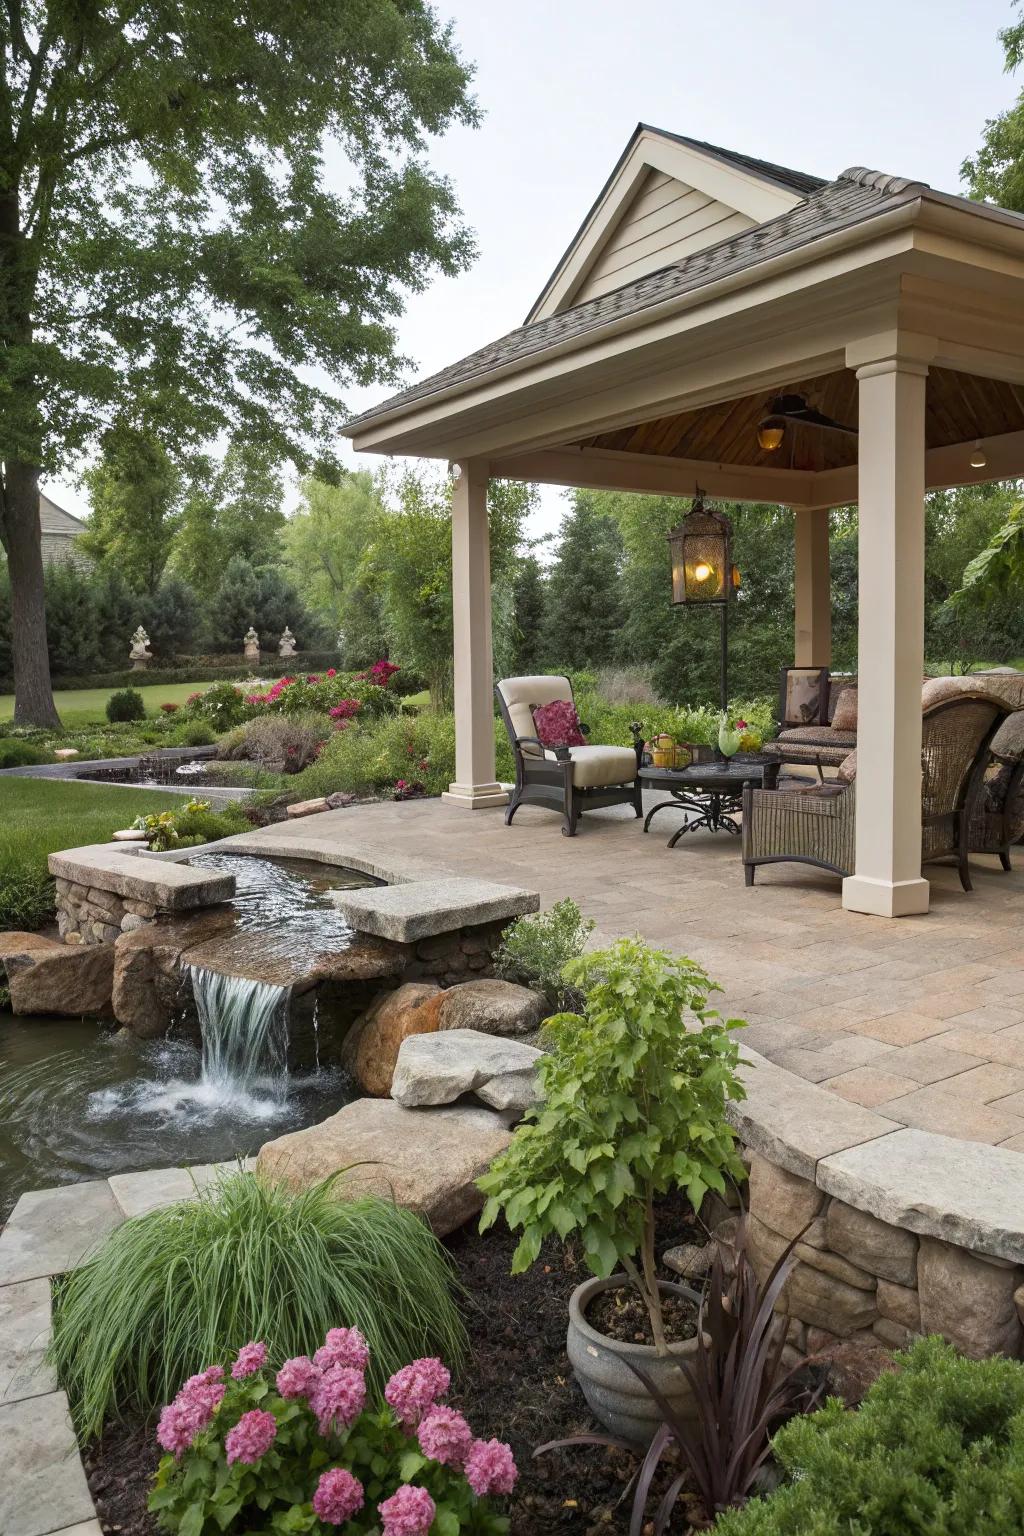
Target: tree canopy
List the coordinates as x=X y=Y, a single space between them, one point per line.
x=996 y=172
x=173 y=249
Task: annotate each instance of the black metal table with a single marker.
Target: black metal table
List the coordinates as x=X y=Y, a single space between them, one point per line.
x=711 y=792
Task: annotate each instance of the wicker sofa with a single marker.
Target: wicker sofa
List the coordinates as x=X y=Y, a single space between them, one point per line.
x=962 y=720
x=818 y=741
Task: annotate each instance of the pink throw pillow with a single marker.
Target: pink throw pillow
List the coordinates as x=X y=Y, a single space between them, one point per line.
x=557 y=724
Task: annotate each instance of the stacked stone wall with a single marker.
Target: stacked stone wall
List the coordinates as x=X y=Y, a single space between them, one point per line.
x=88 y=915
x=858 y=1276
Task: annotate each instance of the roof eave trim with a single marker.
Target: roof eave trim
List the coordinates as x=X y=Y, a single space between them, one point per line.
x=893 y=216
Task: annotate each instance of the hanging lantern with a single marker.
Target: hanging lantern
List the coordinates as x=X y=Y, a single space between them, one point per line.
x=701 y=550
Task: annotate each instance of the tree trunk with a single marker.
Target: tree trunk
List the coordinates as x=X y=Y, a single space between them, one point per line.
x=33 y=694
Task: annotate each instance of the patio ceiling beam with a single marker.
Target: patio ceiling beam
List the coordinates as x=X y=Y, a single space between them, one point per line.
x=607 y=469
x=943 y=468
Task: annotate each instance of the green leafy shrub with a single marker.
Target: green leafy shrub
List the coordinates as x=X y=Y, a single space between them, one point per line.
x=306 y=1451
x=633 y=1105
x=22 y=754
x=370 y=756
x=126 y=704
x=195 y=733
x=535 y=950
x=178 y=1287
x=935 y=1446
x=222 y=705
x=194 y=822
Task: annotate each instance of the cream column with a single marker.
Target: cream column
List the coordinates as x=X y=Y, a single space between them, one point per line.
x=890 y=666
x=812 y=588
x=475 y=784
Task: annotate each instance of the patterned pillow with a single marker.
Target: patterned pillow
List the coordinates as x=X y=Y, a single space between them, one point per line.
x=557 y=724
x=845 y=716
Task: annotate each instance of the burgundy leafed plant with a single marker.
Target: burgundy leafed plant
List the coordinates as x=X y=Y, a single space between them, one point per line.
x=742 y=1390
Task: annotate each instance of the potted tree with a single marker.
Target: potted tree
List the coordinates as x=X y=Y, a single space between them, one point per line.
x=633 y=1099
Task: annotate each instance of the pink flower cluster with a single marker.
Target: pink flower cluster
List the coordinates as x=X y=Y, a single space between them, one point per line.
x=191 y=1411
x=346 y=710
x=338 y=1496
x=338 y=1398
x=272 y=694
x=490 y=1468
x=297 y=1377
x=410 y=1511
x=445 y=1436
x=251 y=1437
x=343 y=1346
x=380 y=674
x=415 y=1388
x=251 y=1358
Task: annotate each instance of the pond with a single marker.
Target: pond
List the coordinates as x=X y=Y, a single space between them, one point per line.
x=81 y=1101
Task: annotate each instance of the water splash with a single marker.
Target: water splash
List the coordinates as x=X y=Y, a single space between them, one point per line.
x=244 y=1028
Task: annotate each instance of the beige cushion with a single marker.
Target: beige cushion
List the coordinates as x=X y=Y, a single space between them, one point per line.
x=523 y=694
x=593 y=767
x=847 y=770
x=845 y=716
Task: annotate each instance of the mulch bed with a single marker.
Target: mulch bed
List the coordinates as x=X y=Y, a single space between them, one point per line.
x=517 y=1385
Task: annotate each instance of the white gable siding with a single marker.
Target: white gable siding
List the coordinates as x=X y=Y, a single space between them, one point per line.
x=665 y=221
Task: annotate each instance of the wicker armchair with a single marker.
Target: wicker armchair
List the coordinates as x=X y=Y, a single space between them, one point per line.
x=566 y=779
x=997 y=812
x=817 y=825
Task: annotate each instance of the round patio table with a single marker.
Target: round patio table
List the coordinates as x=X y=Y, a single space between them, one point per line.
x=711 y=792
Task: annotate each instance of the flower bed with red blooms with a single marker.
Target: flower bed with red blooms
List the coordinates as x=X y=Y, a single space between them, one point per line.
x=302 y=1451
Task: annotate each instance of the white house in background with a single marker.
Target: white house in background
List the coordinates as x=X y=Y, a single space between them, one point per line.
x=60 y=531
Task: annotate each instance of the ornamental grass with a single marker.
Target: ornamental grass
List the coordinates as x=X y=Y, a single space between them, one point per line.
x=172 y=1289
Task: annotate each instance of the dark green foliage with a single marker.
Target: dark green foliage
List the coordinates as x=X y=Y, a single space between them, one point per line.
x=171 y=618
x=996 y=173
x=265 y=598
x=936 y=1446
x=21 y=754
x=530 y=609
x=133 y=490
x=172 y=1291
x=126 y=704
x=74 y=631
x=233 y=508
x=584 y=600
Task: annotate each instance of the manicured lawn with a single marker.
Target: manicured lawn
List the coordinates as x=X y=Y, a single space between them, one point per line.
x=86 y=706
x=40 y=816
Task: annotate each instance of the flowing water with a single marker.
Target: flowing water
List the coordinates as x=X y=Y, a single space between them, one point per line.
x=81 y=1101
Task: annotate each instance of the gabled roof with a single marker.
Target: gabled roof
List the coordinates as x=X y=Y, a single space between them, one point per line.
x=781 y=175
x=54 y=519
x=854 y=197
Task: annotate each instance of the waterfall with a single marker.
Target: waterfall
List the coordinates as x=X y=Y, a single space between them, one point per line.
x=244 y=1026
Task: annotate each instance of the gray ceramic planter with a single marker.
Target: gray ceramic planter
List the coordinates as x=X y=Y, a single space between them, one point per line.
x=617 y=1397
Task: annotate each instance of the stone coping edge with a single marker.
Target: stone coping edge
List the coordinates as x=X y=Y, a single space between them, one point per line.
x=963 y=1192
x=117 y=867
x=418 y=909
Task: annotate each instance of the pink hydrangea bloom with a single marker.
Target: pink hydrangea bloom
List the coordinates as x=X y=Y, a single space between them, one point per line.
x=297 y=1377
x=191 y=1411
x=251 y=1437
x=338 y=1496
x=251 y=1358
x=490 y=1468
x=332 y=672
x=343 y=1346
x=410 y=1511
x=338 y=1398
x=415 y=1388
x=445 y=1436
x=204 y=1378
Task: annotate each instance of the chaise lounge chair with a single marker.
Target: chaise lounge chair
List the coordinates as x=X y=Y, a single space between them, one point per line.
x=569 y=779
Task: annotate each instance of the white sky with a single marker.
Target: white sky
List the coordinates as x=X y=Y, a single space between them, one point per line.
x=903 y=86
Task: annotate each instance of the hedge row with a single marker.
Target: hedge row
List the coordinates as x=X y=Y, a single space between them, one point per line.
x=194 y=671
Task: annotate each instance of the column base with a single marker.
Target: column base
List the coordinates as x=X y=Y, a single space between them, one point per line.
x=475 y=797
x=885 y=898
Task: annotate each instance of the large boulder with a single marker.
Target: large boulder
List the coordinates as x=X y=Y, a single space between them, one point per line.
x=426 y=1159
x=440 y=1068
x=371 y=1046
x=493 y=1008
x=72 y=980
x=148 y=989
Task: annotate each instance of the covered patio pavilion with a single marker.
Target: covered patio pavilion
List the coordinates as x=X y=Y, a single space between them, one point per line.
x=655 y=350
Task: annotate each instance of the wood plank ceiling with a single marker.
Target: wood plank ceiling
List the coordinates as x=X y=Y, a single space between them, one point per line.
x=961 y=407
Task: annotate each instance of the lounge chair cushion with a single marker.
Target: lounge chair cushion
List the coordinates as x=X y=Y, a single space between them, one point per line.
x=845 y=717
x=594 y=767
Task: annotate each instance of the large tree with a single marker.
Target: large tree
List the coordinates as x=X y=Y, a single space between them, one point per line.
x=171 y=247
x=996 y=172
x=325 y=545
x=233 y=507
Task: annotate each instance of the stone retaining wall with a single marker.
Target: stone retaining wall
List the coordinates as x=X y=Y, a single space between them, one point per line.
x=89 y=915
x=447 y=958
x=860 y=1276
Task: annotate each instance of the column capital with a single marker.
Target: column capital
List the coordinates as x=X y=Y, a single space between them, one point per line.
x=893 y=351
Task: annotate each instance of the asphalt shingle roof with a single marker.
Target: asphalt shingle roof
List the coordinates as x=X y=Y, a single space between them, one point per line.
x=855 y=196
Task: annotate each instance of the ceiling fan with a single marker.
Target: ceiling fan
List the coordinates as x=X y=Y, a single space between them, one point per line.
x=771 y=431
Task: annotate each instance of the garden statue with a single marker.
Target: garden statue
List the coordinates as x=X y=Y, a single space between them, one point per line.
x=140 y=655
x=251 y=644
x=286 y=645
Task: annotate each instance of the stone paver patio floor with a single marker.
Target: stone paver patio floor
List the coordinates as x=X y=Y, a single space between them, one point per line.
x=920 y=1019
